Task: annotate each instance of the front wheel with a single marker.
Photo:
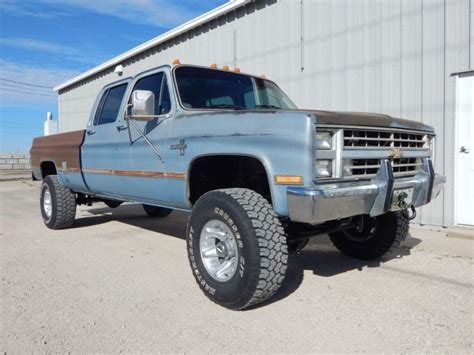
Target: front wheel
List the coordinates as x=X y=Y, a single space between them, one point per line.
x=58 y=204
x=236 y=247
x=379 y=236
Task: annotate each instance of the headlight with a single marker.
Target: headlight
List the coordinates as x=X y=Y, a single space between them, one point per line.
x=431 y=145
x=323 y=168
x=323 y=140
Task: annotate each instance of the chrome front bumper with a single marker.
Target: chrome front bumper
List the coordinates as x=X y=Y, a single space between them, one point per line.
x=345 y=199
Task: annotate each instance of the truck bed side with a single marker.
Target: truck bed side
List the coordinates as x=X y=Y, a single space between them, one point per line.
x=58 y=153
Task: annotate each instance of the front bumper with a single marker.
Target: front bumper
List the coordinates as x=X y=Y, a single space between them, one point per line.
x=345 y=199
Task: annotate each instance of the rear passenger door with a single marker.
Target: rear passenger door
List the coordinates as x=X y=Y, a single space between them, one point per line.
x=99 y=151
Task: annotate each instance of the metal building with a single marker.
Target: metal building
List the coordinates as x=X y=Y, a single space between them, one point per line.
x=407 y=58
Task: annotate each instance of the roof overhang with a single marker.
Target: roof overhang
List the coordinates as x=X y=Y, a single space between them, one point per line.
x=208 y=16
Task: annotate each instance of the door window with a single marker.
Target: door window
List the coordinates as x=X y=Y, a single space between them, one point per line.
x=109 y=105
x=158 y=85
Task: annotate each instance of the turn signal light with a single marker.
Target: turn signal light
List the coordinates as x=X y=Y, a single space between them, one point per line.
x=288 y=180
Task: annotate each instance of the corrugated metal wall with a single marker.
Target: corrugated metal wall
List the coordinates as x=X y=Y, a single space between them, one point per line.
x=388 y=56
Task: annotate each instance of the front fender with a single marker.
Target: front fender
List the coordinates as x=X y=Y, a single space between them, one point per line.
x=282 y=142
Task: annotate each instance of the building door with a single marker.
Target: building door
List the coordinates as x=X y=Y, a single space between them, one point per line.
x=464 y=150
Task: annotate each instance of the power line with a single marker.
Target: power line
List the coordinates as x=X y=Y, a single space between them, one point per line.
x=23 y=83
x=27 y=92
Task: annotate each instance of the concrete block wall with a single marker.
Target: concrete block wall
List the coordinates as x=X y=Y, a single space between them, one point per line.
x=11 y=161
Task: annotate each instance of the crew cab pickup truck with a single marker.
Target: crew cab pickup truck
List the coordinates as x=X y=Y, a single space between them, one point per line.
x=258 y=176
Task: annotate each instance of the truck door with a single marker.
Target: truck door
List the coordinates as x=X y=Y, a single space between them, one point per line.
x=99 y=152
x=143 y=175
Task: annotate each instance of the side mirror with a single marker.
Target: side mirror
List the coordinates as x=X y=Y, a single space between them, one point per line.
x=143 y=105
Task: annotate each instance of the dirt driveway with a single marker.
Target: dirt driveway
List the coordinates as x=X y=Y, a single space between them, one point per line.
x=120 y=281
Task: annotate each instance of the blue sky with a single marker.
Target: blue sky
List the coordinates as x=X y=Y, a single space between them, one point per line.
x=45 y=42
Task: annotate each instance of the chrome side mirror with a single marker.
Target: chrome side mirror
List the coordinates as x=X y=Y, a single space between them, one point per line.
x=143 y=105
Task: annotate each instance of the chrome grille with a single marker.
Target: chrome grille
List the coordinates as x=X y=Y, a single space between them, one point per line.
x=357 y=152
x=369 y=167
x=371 y=139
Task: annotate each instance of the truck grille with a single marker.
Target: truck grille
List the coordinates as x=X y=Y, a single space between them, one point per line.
x=355 y=153
x=356 y=139
x=369 y=167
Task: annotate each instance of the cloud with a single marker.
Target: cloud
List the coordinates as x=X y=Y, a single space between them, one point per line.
x=9 y=95
x=28 y=9
x=28 y=43
x=160 y=13
x=69 y=53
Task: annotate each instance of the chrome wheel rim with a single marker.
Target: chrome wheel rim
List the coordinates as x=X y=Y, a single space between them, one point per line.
x=47 y=203
x=218 y=249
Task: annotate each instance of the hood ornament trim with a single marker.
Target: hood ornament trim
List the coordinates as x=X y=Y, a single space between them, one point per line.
x=395 y=153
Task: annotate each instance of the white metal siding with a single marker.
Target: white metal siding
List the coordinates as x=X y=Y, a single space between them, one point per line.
x=392 y=56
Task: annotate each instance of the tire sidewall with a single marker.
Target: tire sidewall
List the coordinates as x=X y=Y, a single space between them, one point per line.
x=237 y=291
x=48 y=184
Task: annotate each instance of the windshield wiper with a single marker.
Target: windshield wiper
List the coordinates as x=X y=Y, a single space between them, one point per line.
x=268 y=106
x=228 y=106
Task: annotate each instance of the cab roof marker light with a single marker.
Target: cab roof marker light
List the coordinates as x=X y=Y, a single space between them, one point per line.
x=214 y=66
x=263 y=76
x=176 y=61
x=237 y=70
x=225 y=67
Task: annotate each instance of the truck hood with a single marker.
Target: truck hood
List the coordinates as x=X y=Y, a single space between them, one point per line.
x=365 y=119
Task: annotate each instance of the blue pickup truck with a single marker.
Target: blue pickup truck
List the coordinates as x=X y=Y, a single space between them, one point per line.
x=258 y=176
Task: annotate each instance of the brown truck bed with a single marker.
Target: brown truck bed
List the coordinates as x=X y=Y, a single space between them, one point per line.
x=63 y=149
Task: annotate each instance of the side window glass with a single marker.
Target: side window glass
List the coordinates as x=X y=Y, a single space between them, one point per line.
x=165 y=105
x=157 y=84
x=109 y=105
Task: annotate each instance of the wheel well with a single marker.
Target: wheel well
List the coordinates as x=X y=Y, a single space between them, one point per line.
x=48 y=168
x=225 y=171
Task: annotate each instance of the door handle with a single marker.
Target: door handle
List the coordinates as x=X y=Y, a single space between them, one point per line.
x=464 y=150
x=90 y=132
x=122 y=127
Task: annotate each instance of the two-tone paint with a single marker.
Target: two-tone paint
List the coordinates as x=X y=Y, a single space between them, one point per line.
x=112 y=166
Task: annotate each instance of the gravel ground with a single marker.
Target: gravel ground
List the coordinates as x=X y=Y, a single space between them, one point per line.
x=120 y=281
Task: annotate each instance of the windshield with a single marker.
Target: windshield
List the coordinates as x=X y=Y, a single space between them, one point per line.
x=202 y=88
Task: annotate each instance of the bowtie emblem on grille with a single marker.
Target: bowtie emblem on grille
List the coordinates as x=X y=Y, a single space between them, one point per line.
x=395 y=153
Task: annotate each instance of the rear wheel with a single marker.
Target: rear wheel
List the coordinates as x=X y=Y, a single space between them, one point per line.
x=379 y=236
x=58 y=204
x=155 y=211
x=236 y=247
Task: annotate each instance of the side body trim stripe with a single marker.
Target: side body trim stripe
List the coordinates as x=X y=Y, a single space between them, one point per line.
x=150 y=174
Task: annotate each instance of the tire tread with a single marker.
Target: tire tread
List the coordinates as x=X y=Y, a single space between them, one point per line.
x=65 y=209
x=272 y=257
x=271 y=240
x=389 y=243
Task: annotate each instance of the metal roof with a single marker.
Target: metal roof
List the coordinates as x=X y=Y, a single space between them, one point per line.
x=218 y=11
